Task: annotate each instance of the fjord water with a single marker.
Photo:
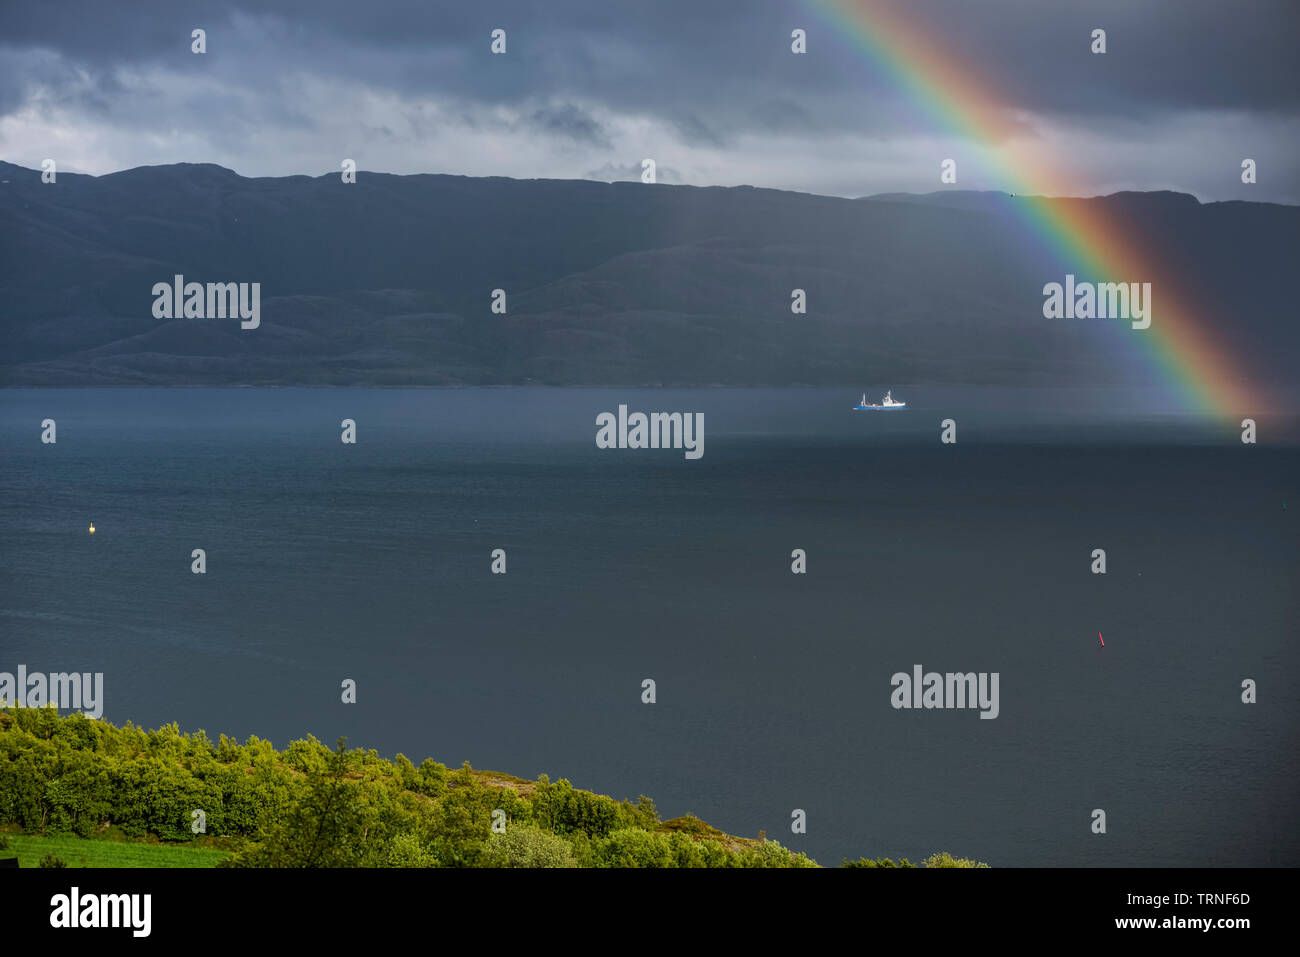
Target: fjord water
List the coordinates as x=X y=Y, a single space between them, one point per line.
x=327 y=561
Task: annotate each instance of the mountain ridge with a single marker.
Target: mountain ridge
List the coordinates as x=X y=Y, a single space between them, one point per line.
x=388 y=281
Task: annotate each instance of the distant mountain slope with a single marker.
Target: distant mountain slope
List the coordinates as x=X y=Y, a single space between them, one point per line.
x=388 y=281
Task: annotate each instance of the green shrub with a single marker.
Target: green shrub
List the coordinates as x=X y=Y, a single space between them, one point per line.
x=772 y=854
x=632 y=847
x=405 y=850
x=944 y=859
x=877 y=862
x=523 y=845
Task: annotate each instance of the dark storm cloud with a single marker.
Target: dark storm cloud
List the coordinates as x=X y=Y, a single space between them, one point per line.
x=569 y=121
x=714 y=72
x=677 y=54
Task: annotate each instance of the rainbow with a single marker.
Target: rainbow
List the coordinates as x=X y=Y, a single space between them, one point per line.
x=1183 y=346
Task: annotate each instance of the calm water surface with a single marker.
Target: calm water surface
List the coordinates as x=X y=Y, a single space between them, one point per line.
x=371 y=562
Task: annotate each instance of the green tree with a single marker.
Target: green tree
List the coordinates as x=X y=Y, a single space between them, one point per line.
x=330 y=826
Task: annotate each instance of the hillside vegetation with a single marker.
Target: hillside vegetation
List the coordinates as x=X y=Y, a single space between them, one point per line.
x=310 y=806
x=64 y=778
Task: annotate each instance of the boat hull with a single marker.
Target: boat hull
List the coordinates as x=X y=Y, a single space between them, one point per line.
x=879 y=408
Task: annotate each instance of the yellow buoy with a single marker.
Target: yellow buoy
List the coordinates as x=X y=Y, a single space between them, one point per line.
x=92 y=529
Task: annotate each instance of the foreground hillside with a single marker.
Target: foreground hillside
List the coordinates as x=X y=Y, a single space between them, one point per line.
x=63 y=778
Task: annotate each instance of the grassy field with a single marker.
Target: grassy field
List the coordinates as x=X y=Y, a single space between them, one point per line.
x=88 y=852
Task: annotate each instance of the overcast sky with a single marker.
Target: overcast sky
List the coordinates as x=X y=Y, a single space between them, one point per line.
x=1186 y=90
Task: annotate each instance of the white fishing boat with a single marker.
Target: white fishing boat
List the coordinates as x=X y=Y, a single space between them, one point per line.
x=888 y=403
